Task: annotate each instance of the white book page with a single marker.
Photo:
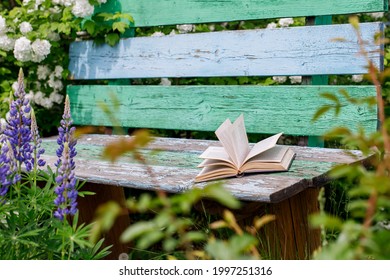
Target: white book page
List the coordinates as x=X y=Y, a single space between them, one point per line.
x=217 y=153
x=240 y=140
x=224 y=136
x=263 y=145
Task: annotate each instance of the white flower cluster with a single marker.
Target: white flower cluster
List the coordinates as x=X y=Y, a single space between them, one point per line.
x=37 y=51
x=283 y=22
x=283 y=79
x=3 y=26
x=24 y=50
x=80 y=8
x=25 y=27
x=48 y=80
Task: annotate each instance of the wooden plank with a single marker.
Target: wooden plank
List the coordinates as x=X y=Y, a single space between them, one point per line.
x=307 y=170
x=308 y=50
x=167 y=12
x=266 y=109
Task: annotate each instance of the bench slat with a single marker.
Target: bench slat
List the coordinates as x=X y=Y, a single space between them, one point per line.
x=167 y=12
x=307 y=170
x=267 y=109
x=309 y=50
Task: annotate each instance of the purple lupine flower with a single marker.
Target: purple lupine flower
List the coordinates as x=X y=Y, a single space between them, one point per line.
x=66 y=192
x=18 y=126
x=65 y=133
x=8 y=166
x=37 y=141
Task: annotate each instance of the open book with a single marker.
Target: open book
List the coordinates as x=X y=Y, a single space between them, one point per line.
x=235 y=157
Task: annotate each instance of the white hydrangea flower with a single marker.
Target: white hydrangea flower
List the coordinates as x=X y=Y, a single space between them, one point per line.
x=377 y=15
x=55 y=83
x=25 y=27
x=6 y=43
x=56 y=98
x=157 y=34
x=30 y=95
x=185 y=28
x=271 y=25
x=3 y=25
x=357 y=78
x=284 y=22
x=165 y=82
x=58 y=71
x=41 y=49
x=43 y=72
x=279 y=79
x=42 y=100
x=23 y=49
x=82 y=8
x=295 y=79
x=65 y=3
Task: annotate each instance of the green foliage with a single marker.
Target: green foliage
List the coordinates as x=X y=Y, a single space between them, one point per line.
x=47 y=76
x=29 y=231
x=364 y=232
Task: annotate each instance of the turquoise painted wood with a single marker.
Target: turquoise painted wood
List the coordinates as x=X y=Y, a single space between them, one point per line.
x=271 y=109
x=167 y=12
x=309 y=50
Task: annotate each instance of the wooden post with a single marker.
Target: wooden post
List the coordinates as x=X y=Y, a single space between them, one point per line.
x=290 y=235
x=87 y=209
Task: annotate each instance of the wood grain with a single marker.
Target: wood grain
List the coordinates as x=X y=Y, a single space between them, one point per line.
x=308 y=50
x=167 y=12
x=271 y=109
x=174 y=175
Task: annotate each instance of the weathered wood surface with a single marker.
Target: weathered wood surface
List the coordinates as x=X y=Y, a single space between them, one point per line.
x=271 y=110
x=308 y=50
x=167 y=12
x=173 y=164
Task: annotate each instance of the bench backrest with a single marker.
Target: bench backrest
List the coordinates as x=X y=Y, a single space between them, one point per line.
x=307 y=51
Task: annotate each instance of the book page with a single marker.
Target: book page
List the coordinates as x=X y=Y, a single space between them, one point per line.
x=223 y=135
x=263 y=145
x=234 y=139
x=216 y=153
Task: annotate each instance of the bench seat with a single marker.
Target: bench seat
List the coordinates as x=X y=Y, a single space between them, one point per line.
x=173 y=163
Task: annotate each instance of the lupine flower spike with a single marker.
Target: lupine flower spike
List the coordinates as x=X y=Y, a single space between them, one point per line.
x=18 y=126
x=37 y=141
x=8 y=167
x=66 y=200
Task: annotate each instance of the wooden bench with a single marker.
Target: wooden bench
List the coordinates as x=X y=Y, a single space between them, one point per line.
x=308 y=51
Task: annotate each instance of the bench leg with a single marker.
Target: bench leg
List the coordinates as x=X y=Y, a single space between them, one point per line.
x=87 y=207
x=290 y=236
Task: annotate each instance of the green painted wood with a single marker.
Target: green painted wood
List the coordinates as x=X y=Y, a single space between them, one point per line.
x=167 y=12
x=287 y=109
x=317 y=141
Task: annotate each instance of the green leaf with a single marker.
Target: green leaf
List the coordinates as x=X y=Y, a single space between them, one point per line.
x=120 y=26
x=242 y=243
x=330 y=96
x=90 y=26
x=112 y=39
x=106 y=216
x=218 y=193
x=320 y=112
x=325 y=220
x=150 y=239
x=137 y=230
